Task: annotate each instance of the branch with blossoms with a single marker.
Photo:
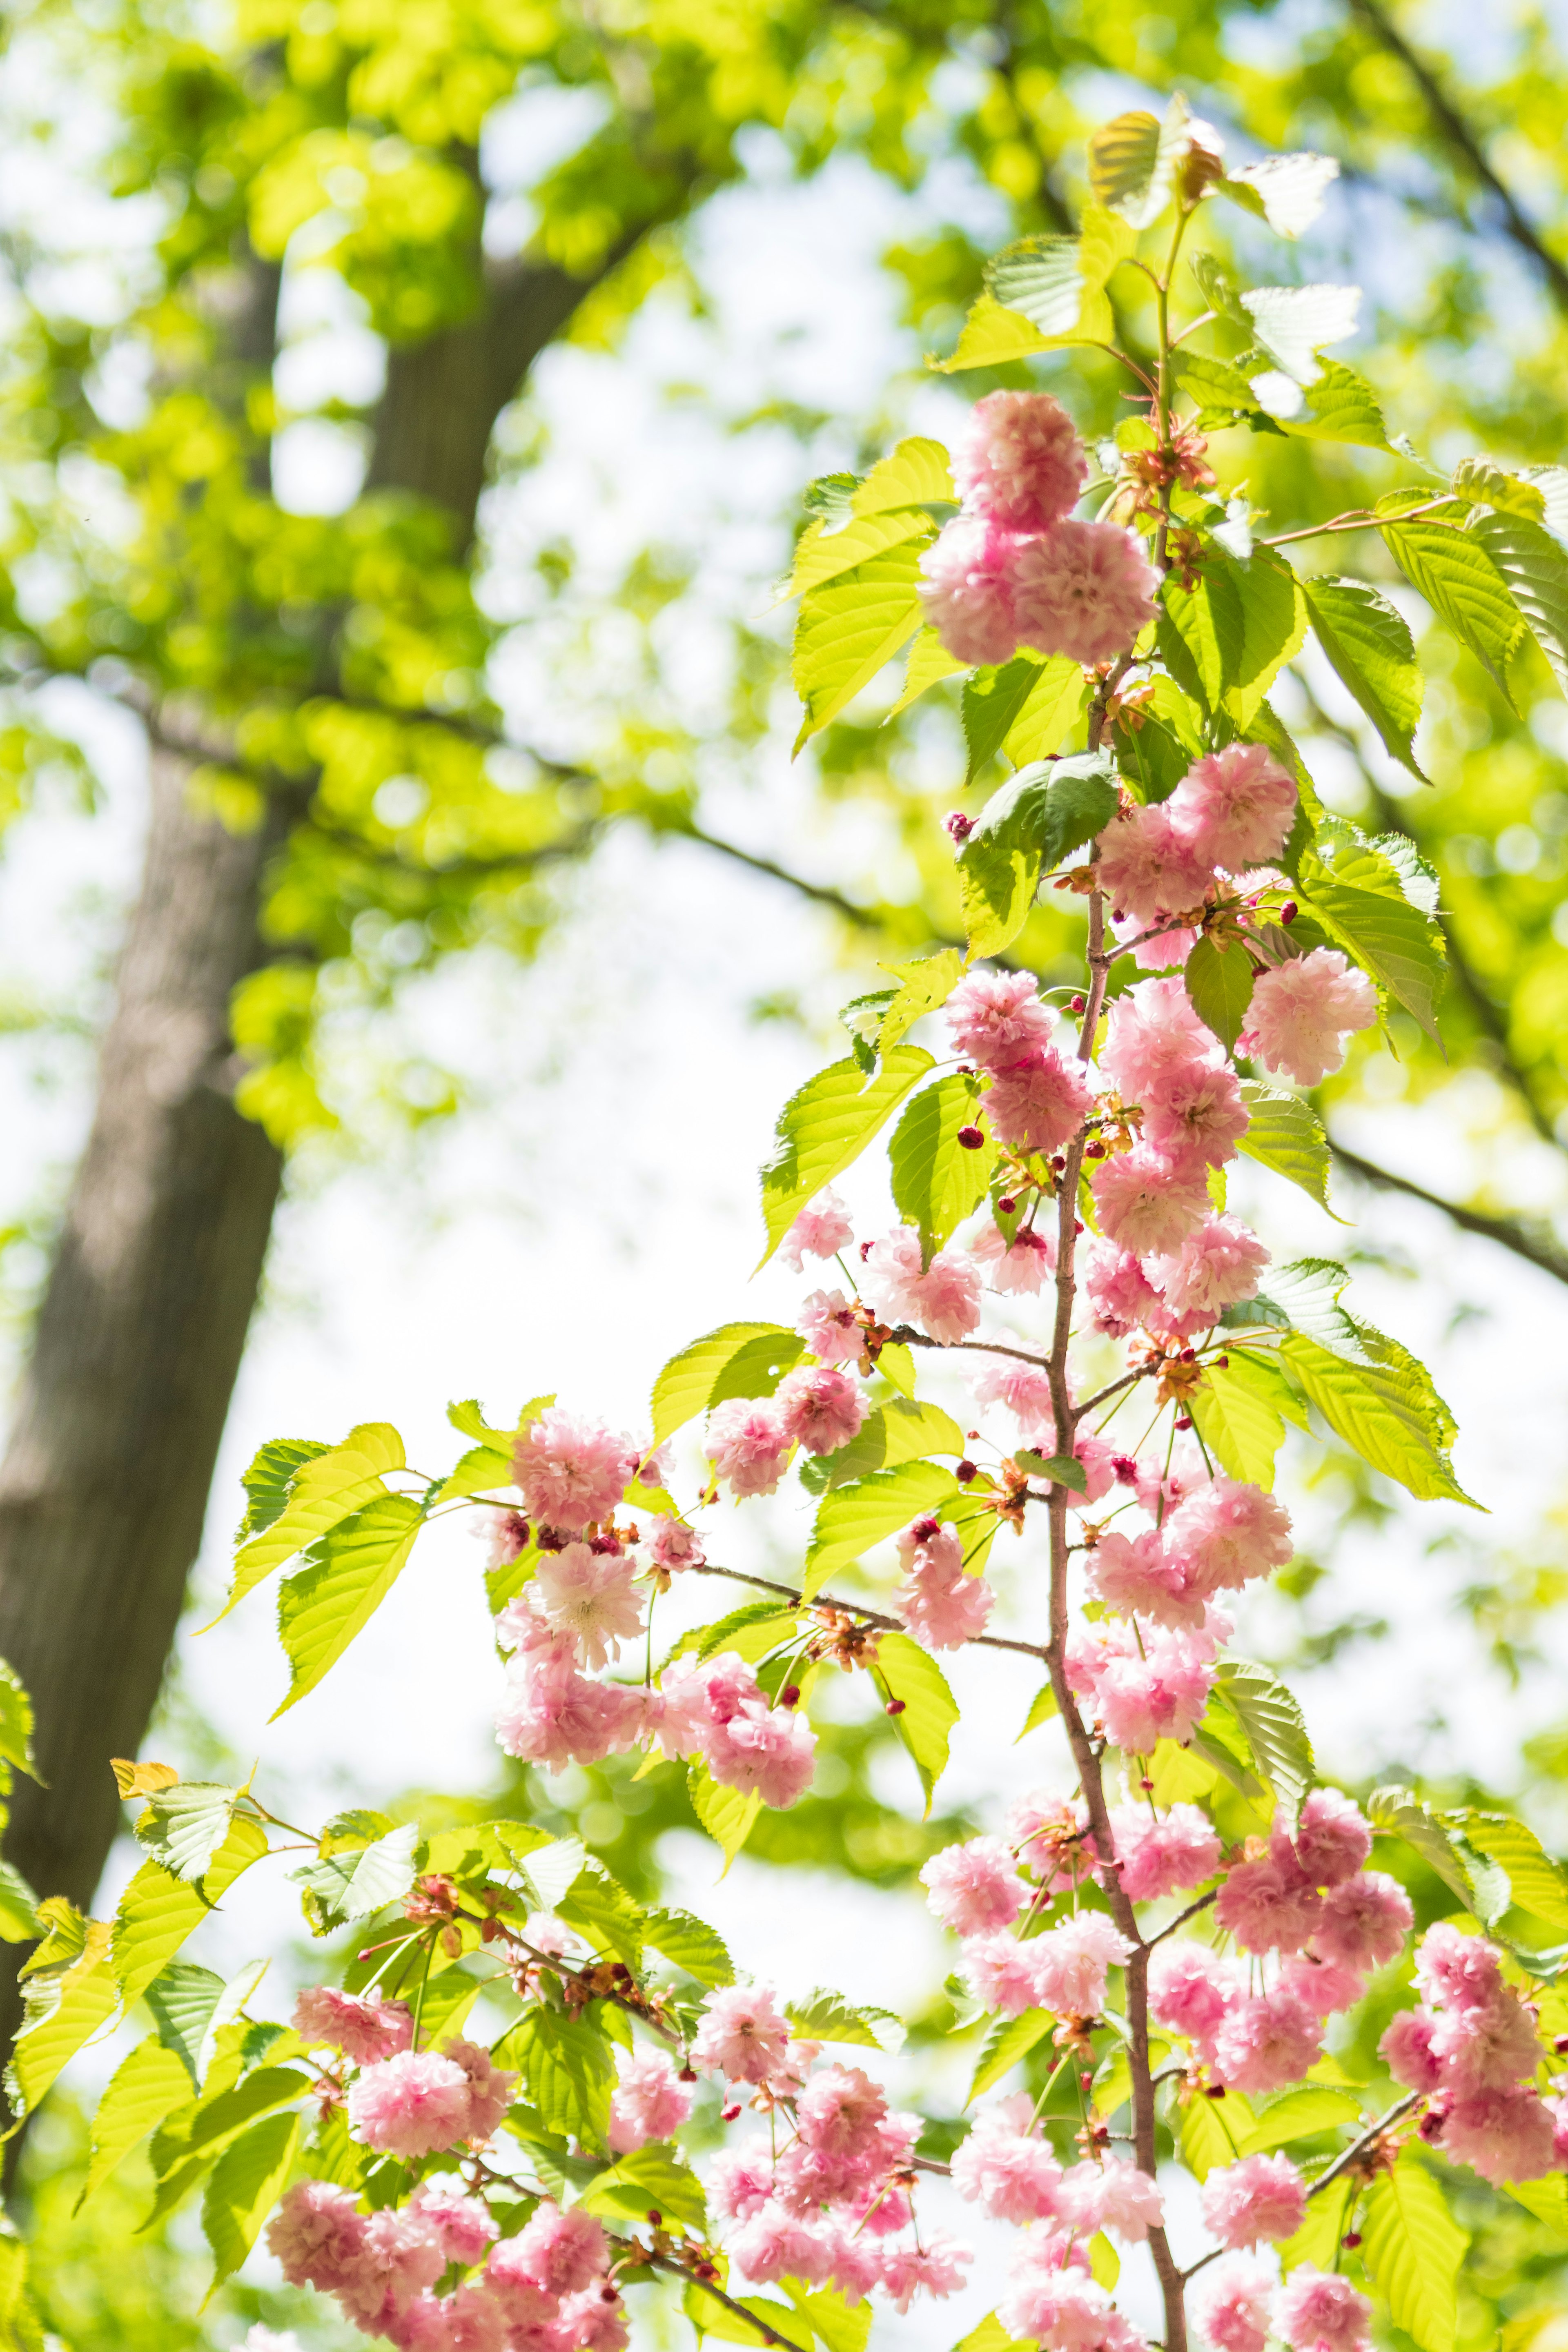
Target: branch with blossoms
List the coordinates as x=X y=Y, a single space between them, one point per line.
x=523 y=2058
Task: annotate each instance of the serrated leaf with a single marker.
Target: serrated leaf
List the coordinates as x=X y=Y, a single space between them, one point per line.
x=1213 y=2131
x=1241 y=1429
x=771 y=2323
x=346 y=1577
x=690 y=1943
x=1049 y=711
x=924 y=982
x=146 y=2086
x=992 y=2336
x=851 y=1518
x=354 y=1885
x=64 y=2009
x=1037 y=819
x=1220 y=988
x=902 y=1430
x=480 y=1468
x=1297 y=2115
x=1337 y=406
x=937 y=1181
x=1289 y=190
x=1389 y=1411
x=326 y=1489
x=184 y=1999
x=247 y=2183
x=1042 y=279
x=267 y=1481
x=1202 y=631
x=1412 y=2248
x=1133 y=162
x=1536 y=1883
x=158 y=1911
x=548 y=1868
x=1318 y=2238
x=1534 y=569
x=19 y=1906
x=992 y=700
x=1368 y=645
x=1285 y=1133
x=851 y=627
x=826 y=1124
x=928 y=663
x=727 y=1814
x=601 y=1909
x=1480 y=1886
x=1456 y=574
x=133 y=1779
x=822 y=555
x=1481 y=481
x=16 y=1724
x=1275 y=1730
x=749 y=1632
x=185 y=1824
x=652 y=2176
x=930 y=1710
x=1294 y=324
x=1042 y=1709
x=833 y=2322
x=916 y=472
x=1211 y=384
x=1398 y=945
x=825 y=2016
x=756 y=1355
x=1007 y=2040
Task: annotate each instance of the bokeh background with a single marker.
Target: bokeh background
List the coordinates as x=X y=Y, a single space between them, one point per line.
x=552 y=924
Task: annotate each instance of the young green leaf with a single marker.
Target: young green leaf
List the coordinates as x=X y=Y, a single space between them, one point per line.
x=937 y=1179
x=1036 y=820
x=1240 y=1428
x=1536 y=1883
x=247 y=2183
x=1007 y=2040
x=268 y=1479
x=823 y=555
x=1042 y=1709
x=1459 y=579
x=928 y=663
x=1043 y=280
x=826 y=1126
x=1479 y=1884
x=1286 y=191
x=1133 y=162
x=1049 y=713
x=902 y=1430
x=927 y=1710
x=913 y=473
x=1413 y=2249
x=183 y=2001
x=347 y=1576
x=354 y=1885
x=690 y=1943
x=826 y=2016
x=1294 y=324
x=924 y=983
x=833 y=2322
x=1219 y=987
x=1338 y=405
x=1534 y=569
x=1481 y=482
x=1213 y=2131
x=146 y=2086
x=1398 y=945
x=727 y=1814
x=1201 y=633
x=738 y=1359
x=1368 y=646
x=158 y=1912
x=1327 y=2218
x=568 y=2072
x=992 y=2336
x=1275 y=1730
x=992 y=700
x=850 y=1519
x=852 y=626
x=327 y=1489
x=1285 y=1133
x=1388 y=1411
x=63 y=2010
x=185 y=1825
x=652 y=2176
x=1297 y=2115
x=19 y=1906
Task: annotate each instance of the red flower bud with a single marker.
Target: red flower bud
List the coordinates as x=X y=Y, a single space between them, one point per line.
x=965 y=1471
x=958 y=824
x=895 y=1706
x=1288 y=911
x=789 y=1695
x=1351 y=2238
x=1079 y=1004
x=1183 y=1421
x=971 y=1138
x=655 y=2216
x=1008 y=1205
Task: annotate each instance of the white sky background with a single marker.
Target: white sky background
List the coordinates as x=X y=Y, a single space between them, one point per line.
x=597 y=1209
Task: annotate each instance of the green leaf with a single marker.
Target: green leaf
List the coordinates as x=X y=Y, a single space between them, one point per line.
x=1220 y=988
x=902 y=1430
x=928 y=663
x=1536 y=1883
x=1398 y=945
x=772 y=2323
x=1455 y=573
x=1202 y=631
x=937 y=1181
x=1318 y=2238
x=1274 y=626
x=268 y=1480
x=249 y=2180
x=346 y=1577
x=1285 y=1133
x=1286 y=191
x=826 y=1124
x=924 y=983
x=1006 y=2040
x=64 y=2007
x=183 y=2000
x=479 y=1469
x=221 y=2116
x=850 y=1519
x=146 y=2086
x=184 y=1826
x=158 y=1911
x=1213 y=2131
x=326 y=1489
x=930 y=1710
x=690 y=1944
x=652 y=2176
x=16 y=1724
x=1042 y=1709
x=568 y=2072
x=1050 y=710
x=1104 y=2262
x=19 y=1906
x=826 y=2016
x=1211 y=384
x=1040 y=817
x=1370 y=648
x=1338 y=405
x=1548 y=2200
x=836 y=2325
x=1240 y=1428
x=351 y=1885
x=600 y=1908
x=916 y=472
x=738 y=1359
x=1133 y=162
x=850 y=627
x=1480 y=481
x=1042 y=279
x=1389 y=1411
x=1413 y=2248
x=823 y=555
x=1275 y=1730
x=1535 y=571
x=992 y=2336
x=992 y=700
x=1297 y=2115
x=1293 y=323
x=727 y=1814
x=1480 y=1886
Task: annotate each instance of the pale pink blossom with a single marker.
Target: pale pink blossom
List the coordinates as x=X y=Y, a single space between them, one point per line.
x=1332 y=1838
x=561 y=2253
x=529 y=2309
x=1017 y=1268
x=1326 y=1986
x=673 y=1546
x=822 y=1229
x=1226 y=1534
x=1185 y=1474
x=996 y=1017
x=944 y=1298
x=1267 y=2040
x=1039 y=1102
x=1142 y=1696
x=1163 y=1855
x=589 y=1596
x=938 y=1604
x=1024 y=1388
x=966 y=588
x=973 y=1886
x=1487 y=2049
x=1172 y=943
x=1196 y=1112
x=1083 y=588
x=1318 y=2311
x=1232 y=2307
x=826 y=1323
x=1123 y=1299
x=1001 y=2166
x=318 y=2235
x=741 y=2036
x=1060 y=2309
x=1145 y=1201
x=1235 y=807
x=742 y=2181
x=489 y=2087
x=410 y=2105
x=1019 y=460
x=425 y=2325
x=1303 y=1014
x=1113 y=2197
x=1261 y=2197
x=551 y=1715
x=1215 y=1268
x=1269 y=1906
x=748 y=1444
x=594 y=2321
x=1406 y=2050
x=571 y=1472
x=822 y=1409
x=1461 y=1971
x=1001 y=1972
x=506 y=1537
x=463 y=2226
x=1192 y=1990
x=1070 y=1963
x=1365 y=1921
x=362 y=2026
x=1051 y=1838
x=402 y=2257
x=1133 y=1576
x=775 y=2244
x=1148 y=873
x=770 y=1749
x=1503 y=2135
x=935 y=2268
x=1152 y=1032
x=649 y=2101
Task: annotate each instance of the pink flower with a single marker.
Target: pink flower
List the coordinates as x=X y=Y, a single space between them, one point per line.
x=1163 y=1856
x=590 y=1597
x=1267 y=2042
x=1045 y=1832
x=594 y=2321
x=942 y=1606
x=748 y=1444
x=1192 y=1990
x=1365 y=1921
x=973 y=1886
x=822 y=1229
x=1145 y=1201
x=1024 y=1388
x=364 y=2027
x=1144 y=1697
x=826 y=1323
x=1113 y=2197
x=1261 y=2197
x=1332 y=1838
x=1302 y=1014
x=1215 y=1268
x=1001 y=1972
x=1196 y=1112
x=822 y=1409
x=771 y=1749
x=571 y=1472
x=1233 y=2307
x=1133 y=1575
x=1406 y=2050
x=1464 y=1972
x=561 y=2253
x=1018 y=1267
x=1235 y=807
x=936 y=2268
x=462 y=2225
x=1122 y=1295
x=1149 y=872
x=410 y=2105
x=1269 y=1906
x=1225 y=1533
x=1038 y=1102
x=529 y=2307
x=489 y=2089
x=1503 y=2135
x=673 y=1546
x=1083 y=588
x=1152 y=1032
x=1013 y=2175
x=742 y=2181
x=741 y=2036
x=1487 y=2049
x=996 y=1017
x=945 y=1297
x=551 y=1715
x=1060 y=2309
x=317 y=2236
x=1321 y=2312
x=1019 y=461
x=967 y=589
x=1324 y=1984
x=649 y=2101
x=774 y=2243
x=402 y=2257
x=1070 y=1963
x=506 y=1537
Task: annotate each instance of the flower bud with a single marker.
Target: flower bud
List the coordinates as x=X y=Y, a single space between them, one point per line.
x=971 y=1138
x=958 y=824
x=965 y=1471
x=1288 y=911
x=1078 y=1004
x=1352 y=2239
x=789 y=1695
x=895 y=1706
x=1008 y=1206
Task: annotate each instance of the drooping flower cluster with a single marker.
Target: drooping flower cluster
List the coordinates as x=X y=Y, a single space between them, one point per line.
x=1473 y=2048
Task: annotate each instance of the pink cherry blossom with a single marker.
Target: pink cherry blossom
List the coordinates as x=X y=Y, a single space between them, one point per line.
x=748 y=1444
x=1083 y=588
x=940 y=1606
x=1192 y=1990
x=589 y=1596
x=1142 y=1696
x=1487 y=2049
x=1460 y=1970
x=1024 y=1388
x=822 y=1409
x=936 y=2268
x=1365 y=1921
x=1122 y=1297
x=595 y=2321
x=774 y=2243
x=1303 y=1013
x=1037 y=1102
x=362 y=2026
x=1261 y=2197
x=770 y=1749
x=1012 y=2175
x=318 y=2235
x=1318 y=2311
x=1165 y=1855
x=1503 y=2135
x=410 y=2105
x=1195 y=1112
x=1070 y=1963
x=944 y=1298
x=1148 y=873
x=1269 y=1906
x=1152 y=1032
x=973 y=1886
x=1113 y=2197
x=1060 y=2309
x=672 y=1545
x=1001 y=1972
x=822 y=1229
x=571 y=1472
x=1266 y=2041
x=1226 y=1534
x=742 y=2181
x=1019 y=1267
x=1145 y=1201
x=1019 y=460
x=996 y=1017
x=561 y=2253
x=529 y=2308
x=462 y=2225
x=1325 y=1985
x=403 y=2256
x=966 y=587
x=649 y=2101
x=1332 y=1838
x=1232 y=2307
x=1235 y=807
x=490 y=2088
x=1047 y=1832
x=1215 y=1268
x=551 y=1715
x=506 y=1536
x=1406 y=2050
x=741 y=2036
x=826 y=1323
x=1133 y=1576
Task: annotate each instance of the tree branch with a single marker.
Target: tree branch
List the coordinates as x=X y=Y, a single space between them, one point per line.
x=1534 y=1244
x=851 y=1608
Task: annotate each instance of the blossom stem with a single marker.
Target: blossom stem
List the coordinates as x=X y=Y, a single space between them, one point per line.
x=852 y=1608
x=769 y=2333
x=1389 y=2117
x=569 y=1975
x=1182 y=1917
x=1356 y=522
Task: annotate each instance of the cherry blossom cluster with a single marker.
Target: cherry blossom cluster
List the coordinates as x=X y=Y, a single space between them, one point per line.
x=1014 y=567
x=1472 y=2049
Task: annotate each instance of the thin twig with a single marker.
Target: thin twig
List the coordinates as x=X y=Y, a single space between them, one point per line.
x=1182 y=1917
x=570 y=1975
x=763 y=2327
x=852 y=1608
x=1385 y=2122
